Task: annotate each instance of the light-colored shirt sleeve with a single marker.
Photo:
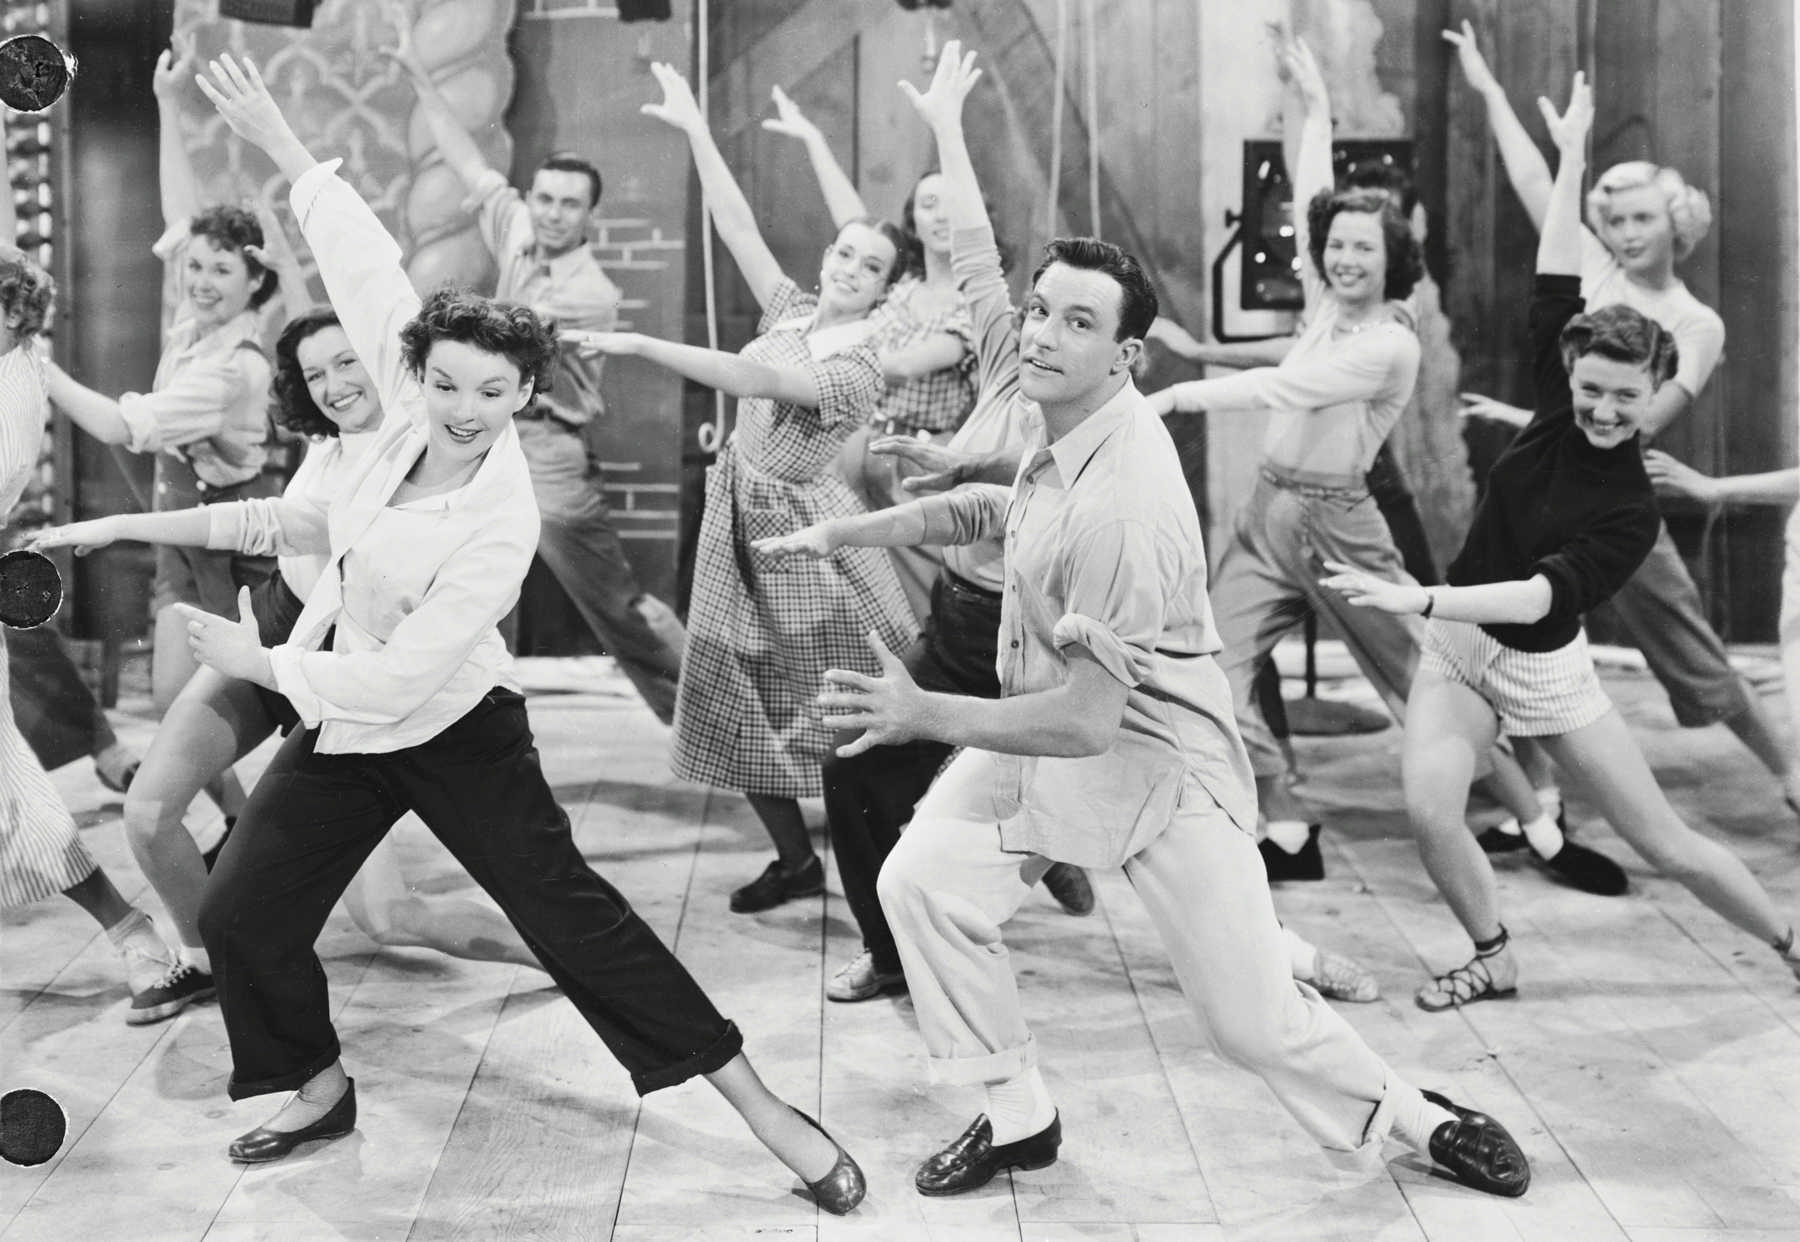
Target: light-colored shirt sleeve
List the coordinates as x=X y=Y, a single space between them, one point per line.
x=975 y=261
x=971 y=513
x=276 y=526
x=1700 y=341
x=1358 y=368
x=477 y=585
x=360 y=265
x=197 y=403
x=501 y=216
x=1116 y=597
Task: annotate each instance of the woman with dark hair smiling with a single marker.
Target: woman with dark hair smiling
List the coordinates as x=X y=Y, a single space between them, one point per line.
x=1331 y=403
x=400 y=678
x=323 y=392
x=1566 y=519
x=760 y=636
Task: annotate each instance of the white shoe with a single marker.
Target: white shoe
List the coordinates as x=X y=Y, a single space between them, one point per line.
x=860 y=981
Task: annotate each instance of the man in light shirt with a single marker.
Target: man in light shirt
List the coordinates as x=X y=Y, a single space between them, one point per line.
x=1113 y=744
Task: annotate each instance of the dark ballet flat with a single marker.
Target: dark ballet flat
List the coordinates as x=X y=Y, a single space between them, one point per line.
x=840 y=1190
x=262 y=1145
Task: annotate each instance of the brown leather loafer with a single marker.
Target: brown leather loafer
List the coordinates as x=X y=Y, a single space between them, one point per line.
x=973 y=1159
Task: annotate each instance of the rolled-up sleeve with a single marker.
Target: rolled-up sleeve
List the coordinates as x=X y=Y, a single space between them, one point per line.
x=280 y=526
x=195 y=405
x=1115 y=600
x=968 y=514
x=478 y=585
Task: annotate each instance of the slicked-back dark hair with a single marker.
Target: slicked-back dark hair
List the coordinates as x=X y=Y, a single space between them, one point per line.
x=492 y=326
x=896 y=238
x=291 y=401
x=1137 y=296
x=233 y=228
x=1405 y=261
x=26 y=292
x=568 y=161
x=1623 y=335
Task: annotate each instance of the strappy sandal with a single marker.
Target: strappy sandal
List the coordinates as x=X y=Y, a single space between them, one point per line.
x=1463 y=986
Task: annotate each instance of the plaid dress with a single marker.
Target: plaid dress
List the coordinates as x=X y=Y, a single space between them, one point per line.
x=762 y=634
x=40 y=854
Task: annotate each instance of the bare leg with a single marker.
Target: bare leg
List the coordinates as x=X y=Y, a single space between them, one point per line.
x=213 y=722
x=776 y=1125
x=171 y=663
x=1755 y=730
x=390 y=914
x=1448 y=727
x=1605 y=759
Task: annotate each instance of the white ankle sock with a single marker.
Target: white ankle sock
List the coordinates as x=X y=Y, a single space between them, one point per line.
x=143 y=952
x=1509 y=826
x=1543 y=835
x=1415 y=1117
x=1289 y=835
x=1550 y=800
x=200 y=959
x=1019 y=1107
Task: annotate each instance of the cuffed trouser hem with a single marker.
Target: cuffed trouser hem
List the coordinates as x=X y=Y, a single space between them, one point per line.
x=1002 y=1066
x=293 y=1080
x=714 y=1057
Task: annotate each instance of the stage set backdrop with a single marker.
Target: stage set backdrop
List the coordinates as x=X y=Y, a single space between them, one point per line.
x=1126 y=118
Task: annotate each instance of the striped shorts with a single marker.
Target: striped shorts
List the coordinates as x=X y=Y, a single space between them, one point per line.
x=1535 y=693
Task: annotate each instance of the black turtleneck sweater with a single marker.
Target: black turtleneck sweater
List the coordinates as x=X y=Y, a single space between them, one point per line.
x=1555 y=505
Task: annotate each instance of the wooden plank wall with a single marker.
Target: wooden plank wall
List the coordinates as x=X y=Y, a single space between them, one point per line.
x=1706 y=87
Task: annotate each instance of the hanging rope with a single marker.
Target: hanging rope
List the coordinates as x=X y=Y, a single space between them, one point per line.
x=1092 y=57
x=712 y=434
x=1056 y=117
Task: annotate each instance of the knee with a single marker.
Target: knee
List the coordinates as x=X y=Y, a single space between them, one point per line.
x=902 y=889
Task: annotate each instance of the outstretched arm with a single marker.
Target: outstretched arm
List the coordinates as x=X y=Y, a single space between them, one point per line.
x=730 y=210
x=1525 y=165
x=175 y=170
x=1559 y=239
x=454 y=142
x=716 y=368
x=968 y=515
x=841 y=197
x=1522 y=602
x=1674 y=478
x=1239 y=355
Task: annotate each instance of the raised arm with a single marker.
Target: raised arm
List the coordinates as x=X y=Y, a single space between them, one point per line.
x=1559 y=238
x=175 y=169
x=454 y=143
x=1311 y=173
x=359 y=261
x=1525 y=165
x=841 y=197
x=733 y=373
x=731 y=214
x=940 y=106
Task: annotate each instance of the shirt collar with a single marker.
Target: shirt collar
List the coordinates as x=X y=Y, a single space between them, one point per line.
x=1075 y=450
x=559 y=267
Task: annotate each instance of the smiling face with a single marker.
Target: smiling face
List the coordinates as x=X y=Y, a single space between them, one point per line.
x=560 y=203
x=337 y=381
x=216 y=281
x=1068 y=354
x=1635 y=226
x=931 y=221
x=470 y=396
x=1356 y=258
x=854 y=276
x=1610 y=398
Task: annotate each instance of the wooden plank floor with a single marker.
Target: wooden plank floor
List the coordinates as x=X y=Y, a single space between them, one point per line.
x=1651 y=1066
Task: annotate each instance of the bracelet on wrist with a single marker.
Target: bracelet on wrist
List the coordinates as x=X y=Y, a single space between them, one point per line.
x=1430 y=603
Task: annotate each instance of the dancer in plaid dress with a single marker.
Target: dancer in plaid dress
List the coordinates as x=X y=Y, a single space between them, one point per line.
x=40 y=855
x=760 y=635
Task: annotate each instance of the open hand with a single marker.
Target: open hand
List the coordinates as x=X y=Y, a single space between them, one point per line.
x=1468 y=55
x=943 y=468
x=815 y=541
x=678 y=107
x=239 y=94
x=234 y=648
x=942 y=102
x=594 y=344
x=1569 y=129
x=788 y=118
x=889 y=709
x=1675 y=478
x=175 y=66
x=1365 y=590
x=1302 y=69
x=1474 y=405
x=84 y=537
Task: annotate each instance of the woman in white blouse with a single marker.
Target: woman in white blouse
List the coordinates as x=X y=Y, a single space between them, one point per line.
x=398 y=672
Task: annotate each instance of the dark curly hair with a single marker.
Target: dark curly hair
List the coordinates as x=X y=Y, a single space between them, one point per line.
x=233 y=228
x=1137 y=296
x=26 y=292
x=291 y=403
x=1624 y=335
x=487 y=324
x=1405 y=261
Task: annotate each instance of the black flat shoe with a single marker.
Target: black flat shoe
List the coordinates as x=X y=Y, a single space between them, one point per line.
x=1305 y=863
x=973 y=1159
x=1478 y=1151
x=840 y=1190
x=1584 y=869
x=261 y=1145
x=1069 y=885
x=775 y=886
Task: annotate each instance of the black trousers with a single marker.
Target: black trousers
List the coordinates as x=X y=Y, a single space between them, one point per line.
x=313 y=819
x=869 y=798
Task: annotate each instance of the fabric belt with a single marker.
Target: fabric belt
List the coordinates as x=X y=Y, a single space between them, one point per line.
x=1323 y=487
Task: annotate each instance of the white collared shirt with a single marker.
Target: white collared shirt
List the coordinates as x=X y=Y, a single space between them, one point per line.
x=414 y=592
